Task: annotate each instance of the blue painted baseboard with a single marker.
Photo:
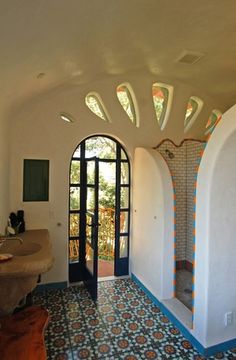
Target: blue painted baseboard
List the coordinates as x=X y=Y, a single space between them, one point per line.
x=51 y=286
x=201 y=349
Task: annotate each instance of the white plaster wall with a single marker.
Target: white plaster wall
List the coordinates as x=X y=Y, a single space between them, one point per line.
x=152 y=241
x=39 y=133
x=215 y=290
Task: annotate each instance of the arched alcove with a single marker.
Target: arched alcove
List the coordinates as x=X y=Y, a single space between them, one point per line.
x=152 y=250
x=215 y=268
x=99 y=211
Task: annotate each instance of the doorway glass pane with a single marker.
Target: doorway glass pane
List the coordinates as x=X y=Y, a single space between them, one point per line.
x=124 y=221
x=74 y=224
x=107 y=183
x=124 y=197
x=74 y=250
x=106 y=234
x=124 y=174
x=75 y=172
x=90 y=199
x=89 y=228
x=90 y=172
x=123 y=155
x=77 y=152
x=75 y=198
x=123 y=246
x=89 y=258
x=101 y=147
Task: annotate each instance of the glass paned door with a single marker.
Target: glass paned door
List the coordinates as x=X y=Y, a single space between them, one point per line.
x=99 y=193
x=91 y=226
x=122 y=213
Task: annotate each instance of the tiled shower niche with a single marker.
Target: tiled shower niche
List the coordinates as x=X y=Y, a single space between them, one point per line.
x=183 y=161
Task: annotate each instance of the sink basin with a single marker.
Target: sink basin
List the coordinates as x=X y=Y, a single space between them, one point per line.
x=19 y=276
x=15 y=248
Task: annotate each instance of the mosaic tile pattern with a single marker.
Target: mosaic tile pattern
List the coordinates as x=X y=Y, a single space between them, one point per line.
x=124 y=324
x=183 y=168
x=177 y=166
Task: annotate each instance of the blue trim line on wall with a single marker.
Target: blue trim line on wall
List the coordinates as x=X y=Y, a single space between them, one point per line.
x=204 y=351
x=51 y=286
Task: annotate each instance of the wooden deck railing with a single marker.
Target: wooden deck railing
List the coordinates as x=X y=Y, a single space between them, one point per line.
x=106 y=236
x=74 y=250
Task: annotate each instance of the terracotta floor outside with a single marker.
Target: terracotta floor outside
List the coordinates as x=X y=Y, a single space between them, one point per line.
x=105 y=268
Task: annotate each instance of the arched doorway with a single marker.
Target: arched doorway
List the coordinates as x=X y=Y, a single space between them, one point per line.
x=99 y=211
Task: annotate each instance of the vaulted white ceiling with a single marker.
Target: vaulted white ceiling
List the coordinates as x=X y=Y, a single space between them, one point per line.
x=51 y=44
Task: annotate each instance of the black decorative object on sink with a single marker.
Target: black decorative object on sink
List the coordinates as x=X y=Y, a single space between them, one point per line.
x=20 y=217
x=17 y=222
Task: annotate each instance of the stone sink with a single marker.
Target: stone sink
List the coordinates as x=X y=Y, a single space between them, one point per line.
x=19 y=275
x=16 y=249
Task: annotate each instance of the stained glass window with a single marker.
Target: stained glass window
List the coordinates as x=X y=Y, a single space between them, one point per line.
x=95 y=104
x=162 y=96
x=193 y=109
x=128 y=102
x=213 y=120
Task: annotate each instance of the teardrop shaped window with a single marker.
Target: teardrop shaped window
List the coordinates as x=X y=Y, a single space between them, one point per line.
x=162 y=95
x=127 y=100
x=213 y=120
x=95 y=104
x=194 y=108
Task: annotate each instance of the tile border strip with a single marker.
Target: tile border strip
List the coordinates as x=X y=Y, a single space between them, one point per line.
x=51 y=286
x=227 y=345
x=194 y=227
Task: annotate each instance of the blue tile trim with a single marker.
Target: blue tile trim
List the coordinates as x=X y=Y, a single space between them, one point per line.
x=204 y=351
x=51 y=286
x=220 y=347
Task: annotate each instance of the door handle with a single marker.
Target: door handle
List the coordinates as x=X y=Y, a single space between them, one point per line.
x=90 y=225
x=94 y=225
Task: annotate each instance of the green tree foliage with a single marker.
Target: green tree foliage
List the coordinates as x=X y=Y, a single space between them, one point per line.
x=75 y=172
x=75 y=179
x=101 y=147
x=106 y=194
x=105 y=148
x=74 y=198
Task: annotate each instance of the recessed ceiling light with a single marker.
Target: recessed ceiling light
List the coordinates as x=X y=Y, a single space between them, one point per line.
x=66 y=117
x=77 y=73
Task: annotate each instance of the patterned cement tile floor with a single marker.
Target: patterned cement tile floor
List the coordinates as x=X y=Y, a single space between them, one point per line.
x=124 y=324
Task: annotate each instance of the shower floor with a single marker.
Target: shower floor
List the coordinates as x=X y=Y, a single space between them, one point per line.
x=184 y=287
